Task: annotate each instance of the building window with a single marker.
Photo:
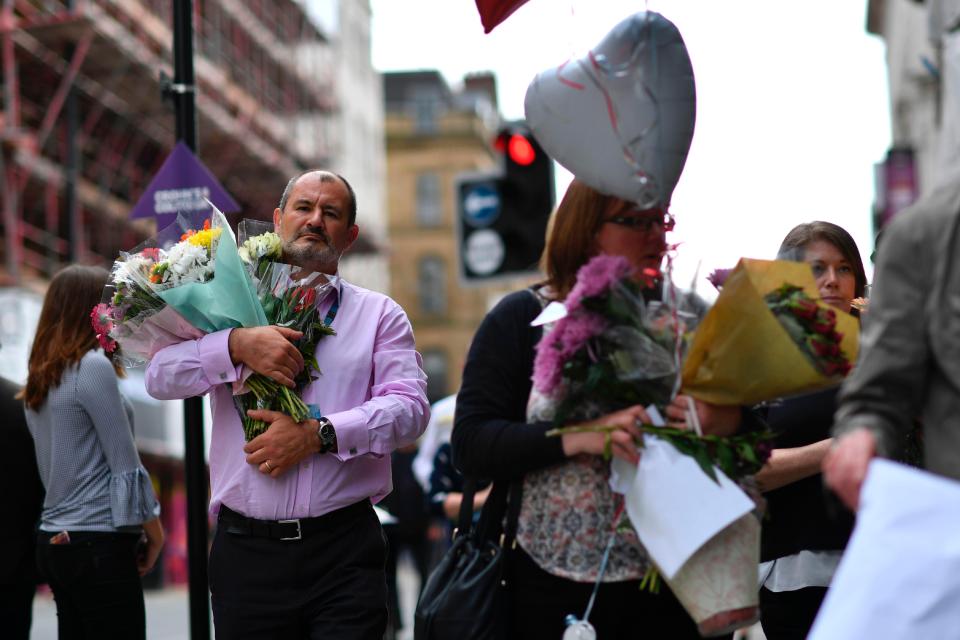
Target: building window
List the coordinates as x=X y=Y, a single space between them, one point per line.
x=426 y=110
x=435 y=366
x=428 y=200
x=432 y=285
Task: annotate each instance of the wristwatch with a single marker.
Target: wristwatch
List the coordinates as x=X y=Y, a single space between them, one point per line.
x=327 y=435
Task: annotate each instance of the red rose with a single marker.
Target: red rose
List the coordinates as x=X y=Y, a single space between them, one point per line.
x=823 y=328
x=833 y=368
x=804 y=308
x=305 y=298
x=823 y=348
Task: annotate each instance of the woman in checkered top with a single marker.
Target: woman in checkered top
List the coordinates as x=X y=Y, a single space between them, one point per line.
x=99 y=498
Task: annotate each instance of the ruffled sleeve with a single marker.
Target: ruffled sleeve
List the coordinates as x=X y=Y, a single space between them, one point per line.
x=132 y=499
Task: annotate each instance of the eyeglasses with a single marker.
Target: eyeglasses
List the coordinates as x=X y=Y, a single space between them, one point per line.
x=643 y=222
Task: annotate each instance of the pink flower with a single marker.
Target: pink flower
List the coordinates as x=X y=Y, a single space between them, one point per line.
x=101 y=318
x=568 y=336
x=718 y=276
x=596 y=277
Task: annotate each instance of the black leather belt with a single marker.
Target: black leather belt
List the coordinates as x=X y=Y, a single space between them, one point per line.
x=288 y=530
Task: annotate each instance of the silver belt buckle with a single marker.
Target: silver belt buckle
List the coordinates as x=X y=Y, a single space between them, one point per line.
x=299 y=535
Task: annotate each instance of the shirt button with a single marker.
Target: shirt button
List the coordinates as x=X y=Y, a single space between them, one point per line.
x=353 y=451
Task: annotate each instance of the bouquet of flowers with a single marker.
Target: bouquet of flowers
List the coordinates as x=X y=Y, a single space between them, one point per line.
x=135 y=315
x=768 y=336
x=290 y=300
x=812 y=327
x=614 y=349
x=188 y=282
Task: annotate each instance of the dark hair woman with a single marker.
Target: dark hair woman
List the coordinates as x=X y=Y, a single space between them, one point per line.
x=567 y=507
x=99 y=498
x=801 y=543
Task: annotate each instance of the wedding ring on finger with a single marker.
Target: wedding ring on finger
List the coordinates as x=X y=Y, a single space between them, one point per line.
x=266 y=463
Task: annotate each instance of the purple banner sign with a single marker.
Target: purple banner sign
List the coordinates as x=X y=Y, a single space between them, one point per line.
x=900 y=183
x=180 y=187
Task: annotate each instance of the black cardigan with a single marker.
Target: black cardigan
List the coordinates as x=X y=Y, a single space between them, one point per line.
x=491 y=437
x=797 y=514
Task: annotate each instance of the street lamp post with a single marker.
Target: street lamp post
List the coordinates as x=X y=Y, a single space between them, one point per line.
x=183 y=93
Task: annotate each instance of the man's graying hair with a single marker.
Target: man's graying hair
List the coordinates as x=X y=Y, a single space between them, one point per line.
x=325 y=176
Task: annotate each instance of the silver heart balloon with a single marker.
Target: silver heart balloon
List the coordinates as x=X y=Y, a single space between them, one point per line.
x=621 y=118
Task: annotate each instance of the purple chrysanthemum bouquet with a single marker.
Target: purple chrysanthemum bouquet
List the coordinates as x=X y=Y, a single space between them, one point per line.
x=613 y=349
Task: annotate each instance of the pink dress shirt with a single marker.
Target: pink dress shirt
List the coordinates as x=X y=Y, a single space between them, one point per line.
x=373 y=390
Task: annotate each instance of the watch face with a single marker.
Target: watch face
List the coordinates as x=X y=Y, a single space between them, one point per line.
x=326 y=433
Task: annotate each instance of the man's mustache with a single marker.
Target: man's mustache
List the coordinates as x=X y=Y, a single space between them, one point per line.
x=314 y=231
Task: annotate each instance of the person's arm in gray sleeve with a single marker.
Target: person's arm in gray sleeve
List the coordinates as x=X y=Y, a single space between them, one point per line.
x=883 y=394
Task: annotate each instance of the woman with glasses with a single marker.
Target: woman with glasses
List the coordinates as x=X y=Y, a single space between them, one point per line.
x=99 y=498
x=567 y=507
x=801 y=540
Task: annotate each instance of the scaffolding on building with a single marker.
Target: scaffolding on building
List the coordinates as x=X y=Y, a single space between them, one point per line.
x=83 y=126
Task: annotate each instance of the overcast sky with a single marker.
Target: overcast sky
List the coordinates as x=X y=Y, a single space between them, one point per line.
x=792 y=103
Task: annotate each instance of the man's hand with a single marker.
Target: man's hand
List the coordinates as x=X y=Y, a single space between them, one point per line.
x=845 y=465
x=715 y=419
x=283 y=445
x=269 y=351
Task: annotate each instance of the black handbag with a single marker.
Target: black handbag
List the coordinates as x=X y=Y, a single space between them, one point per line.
x=465 y=596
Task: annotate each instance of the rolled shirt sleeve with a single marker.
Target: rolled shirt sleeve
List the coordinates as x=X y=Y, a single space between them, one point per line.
x=191 y=368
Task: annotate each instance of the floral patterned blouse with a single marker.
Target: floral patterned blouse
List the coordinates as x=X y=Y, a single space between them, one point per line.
x=566 y=516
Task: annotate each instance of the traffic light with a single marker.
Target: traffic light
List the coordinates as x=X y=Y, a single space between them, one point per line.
x=503 y=215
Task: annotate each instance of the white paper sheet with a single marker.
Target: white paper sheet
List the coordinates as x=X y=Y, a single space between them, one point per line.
x=674 y=506
x=551 y=313
x=900 y=575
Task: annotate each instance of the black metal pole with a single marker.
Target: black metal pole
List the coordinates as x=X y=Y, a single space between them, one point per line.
x=184 y=98
x=71 y=172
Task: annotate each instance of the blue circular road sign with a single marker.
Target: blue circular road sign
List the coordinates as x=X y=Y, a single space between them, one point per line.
x=481 y=204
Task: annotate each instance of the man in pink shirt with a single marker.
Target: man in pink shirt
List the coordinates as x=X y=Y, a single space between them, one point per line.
x=299 y=552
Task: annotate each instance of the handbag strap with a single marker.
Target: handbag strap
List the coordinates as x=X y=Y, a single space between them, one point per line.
x=503 y=500
x=465 y=519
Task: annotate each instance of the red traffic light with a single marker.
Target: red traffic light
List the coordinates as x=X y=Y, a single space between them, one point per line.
x=517 y=147
x=520 y=150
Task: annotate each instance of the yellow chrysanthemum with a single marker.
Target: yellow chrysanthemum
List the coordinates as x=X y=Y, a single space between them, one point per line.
x=204 y=238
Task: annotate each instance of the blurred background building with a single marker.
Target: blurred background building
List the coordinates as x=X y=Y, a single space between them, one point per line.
x=922 y=39
x=435 y=135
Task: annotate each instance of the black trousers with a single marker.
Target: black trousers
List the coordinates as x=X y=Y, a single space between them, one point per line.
x=541 y=601
x=95 y=584
x=788 y=615
x=18 y=582
x=329 y=584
